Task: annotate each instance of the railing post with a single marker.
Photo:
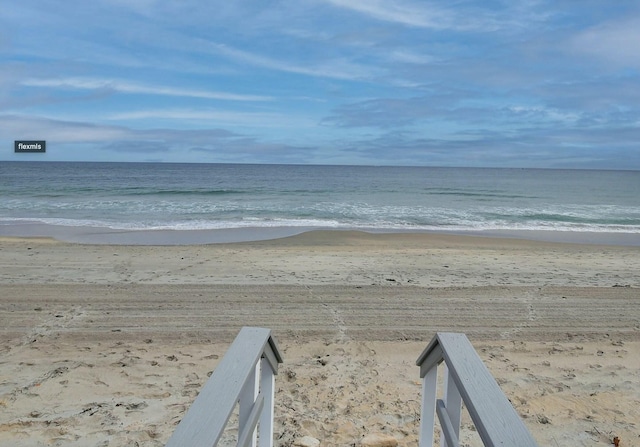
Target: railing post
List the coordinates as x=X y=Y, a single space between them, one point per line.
x=428 y=414
x=467 y=380
x=267 y=388
x=238 y=381
x=247 y=400
x=452 y=403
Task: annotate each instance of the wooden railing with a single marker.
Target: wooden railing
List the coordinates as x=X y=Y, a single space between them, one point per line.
x=467 y=380
x=244 y=376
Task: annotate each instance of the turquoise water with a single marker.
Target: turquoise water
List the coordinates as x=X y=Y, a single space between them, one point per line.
x=140 y=196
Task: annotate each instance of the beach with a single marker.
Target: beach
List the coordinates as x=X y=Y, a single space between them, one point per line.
x=109 y=344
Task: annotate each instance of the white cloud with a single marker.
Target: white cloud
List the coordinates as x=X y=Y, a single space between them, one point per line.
x=399 y=12
x=56 y=130
x=409 y=57
x=277 y=71
x=336 y=68
x=615 y=42
x=545 y=114
x=462 y=16
x=129 y=87
x=220 y=117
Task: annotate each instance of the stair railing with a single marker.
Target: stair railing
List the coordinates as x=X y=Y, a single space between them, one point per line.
x=244 y=376
x=467 y=380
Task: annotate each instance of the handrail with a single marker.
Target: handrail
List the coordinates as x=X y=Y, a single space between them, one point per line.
x=245 y=375
x=468 y=380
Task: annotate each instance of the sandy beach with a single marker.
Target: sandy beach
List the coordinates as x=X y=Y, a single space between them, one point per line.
x=107 y=345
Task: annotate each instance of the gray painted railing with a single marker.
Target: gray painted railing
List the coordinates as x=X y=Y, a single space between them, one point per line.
x=244 y=376
x=467 y=380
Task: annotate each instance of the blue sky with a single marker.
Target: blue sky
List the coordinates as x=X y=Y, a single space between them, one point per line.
x=514 y=83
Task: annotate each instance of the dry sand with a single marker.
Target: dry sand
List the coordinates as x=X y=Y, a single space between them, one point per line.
x=108 y=345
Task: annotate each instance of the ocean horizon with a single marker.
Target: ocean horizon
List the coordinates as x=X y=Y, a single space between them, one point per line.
x=166 y=203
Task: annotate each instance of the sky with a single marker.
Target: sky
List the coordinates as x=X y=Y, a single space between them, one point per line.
x=513 y=83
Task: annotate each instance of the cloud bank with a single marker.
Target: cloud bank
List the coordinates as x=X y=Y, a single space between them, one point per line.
x=521 y=83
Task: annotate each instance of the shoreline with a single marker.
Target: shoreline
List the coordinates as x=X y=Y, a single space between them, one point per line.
x=326 y=257
x=168 y=237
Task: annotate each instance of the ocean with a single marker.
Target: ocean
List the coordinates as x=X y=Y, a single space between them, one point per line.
x=74 y=201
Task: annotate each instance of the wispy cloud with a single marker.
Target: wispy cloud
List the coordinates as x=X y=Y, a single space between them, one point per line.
x=135 y=88
x=217 y=144
x=59 y=130
x=411 y=57
x=352 y=81
x=219 y=117
x=439 y=16
x=525 y=148
x=614 y=42
x=341 y=68
x=412 y=14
